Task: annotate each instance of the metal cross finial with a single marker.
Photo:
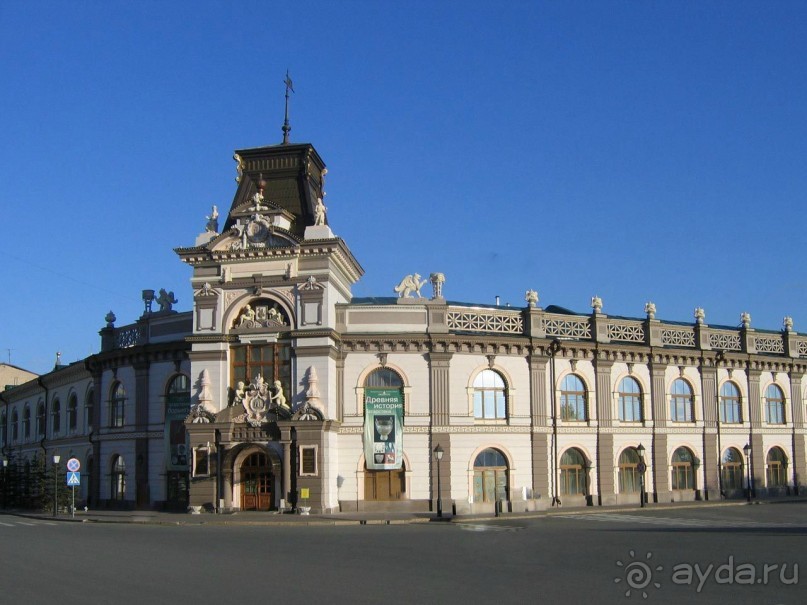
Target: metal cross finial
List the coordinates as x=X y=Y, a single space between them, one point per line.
x=286 y=127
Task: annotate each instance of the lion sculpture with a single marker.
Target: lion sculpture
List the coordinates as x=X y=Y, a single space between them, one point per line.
x=409 y=284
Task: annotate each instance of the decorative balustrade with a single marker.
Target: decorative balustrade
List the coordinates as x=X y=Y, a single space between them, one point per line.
x=579 y=327
x=129 y=336
x=483 y=320
x=625 y=331
x=679 y=337
x=568 y=327
x=769 y=344
x=725 y=341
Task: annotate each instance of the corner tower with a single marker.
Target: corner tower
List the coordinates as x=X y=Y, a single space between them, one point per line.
x=265 y=339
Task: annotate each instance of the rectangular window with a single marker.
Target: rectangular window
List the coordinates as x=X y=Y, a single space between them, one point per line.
x=201 y=462
x=271 y=361
x=308 y=460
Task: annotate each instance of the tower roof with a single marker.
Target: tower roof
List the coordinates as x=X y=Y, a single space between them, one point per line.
x=292 y=176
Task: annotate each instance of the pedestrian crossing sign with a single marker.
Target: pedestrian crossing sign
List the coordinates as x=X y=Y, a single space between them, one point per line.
x=73 y=479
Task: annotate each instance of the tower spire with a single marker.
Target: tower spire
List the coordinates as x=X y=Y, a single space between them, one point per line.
x=286 y=127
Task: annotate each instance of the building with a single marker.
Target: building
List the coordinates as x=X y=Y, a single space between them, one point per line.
x=281 y=389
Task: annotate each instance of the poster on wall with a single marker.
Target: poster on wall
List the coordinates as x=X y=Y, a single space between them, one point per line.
x=176 y=441
x=383 y=429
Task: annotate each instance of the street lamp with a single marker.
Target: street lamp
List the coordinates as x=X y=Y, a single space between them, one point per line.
x=5 y=481
x=438 y=455
x=56 y=459
x=641 y=467
x=747 y=451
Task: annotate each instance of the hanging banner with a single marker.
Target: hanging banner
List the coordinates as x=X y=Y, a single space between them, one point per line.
x=176 y=440
x=383 y=429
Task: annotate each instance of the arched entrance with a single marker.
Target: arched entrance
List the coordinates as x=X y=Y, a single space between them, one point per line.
x=257 y=482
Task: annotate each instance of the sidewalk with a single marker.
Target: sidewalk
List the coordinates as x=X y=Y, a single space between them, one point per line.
x=356 y=518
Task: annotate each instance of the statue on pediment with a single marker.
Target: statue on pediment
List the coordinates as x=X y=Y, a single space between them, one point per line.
x=166 y=300
x=319 y=212
x=409 y=284
x=213 y=221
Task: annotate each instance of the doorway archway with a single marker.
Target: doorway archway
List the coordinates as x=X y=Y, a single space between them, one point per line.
x=257 y=481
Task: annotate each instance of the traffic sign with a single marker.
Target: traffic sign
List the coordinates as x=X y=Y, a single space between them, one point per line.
x=73 y=479
x=73 y=465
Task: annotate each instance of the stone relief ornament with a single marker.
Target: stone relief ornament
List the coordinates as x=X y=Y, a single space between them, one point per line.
x=650 y=310
x=311 y=284
x=239 y=167
x=531 y=296
x=410 y=283
x=207 y=290
x=259 y=398
x=166 y=300
x=699 y=315
x=213 y=221
x=745 y=319
x=596 y=304
x=261 y=316
x=437 y=280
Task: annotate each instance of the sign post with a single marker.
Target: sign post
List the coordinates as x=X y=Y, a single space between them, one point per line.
x=73 y=479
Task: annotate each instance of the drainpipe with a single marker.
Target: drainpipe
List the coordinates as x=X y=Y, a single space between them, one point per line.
x=554 y=347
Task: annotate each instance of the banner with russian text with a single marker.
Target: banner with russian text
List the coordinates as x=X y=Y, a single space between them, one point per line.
x=383 y=429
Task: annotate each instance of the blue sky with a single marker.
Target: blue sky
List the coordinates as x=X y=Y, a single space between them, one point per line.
x=634 y=150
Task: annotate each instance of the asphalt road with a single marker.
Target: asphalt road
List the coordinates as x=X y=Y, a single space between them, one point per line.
x=702 y=555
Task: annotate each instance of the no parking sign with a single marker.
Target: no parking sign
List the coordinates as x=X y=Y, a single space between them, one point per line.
x=73 y=465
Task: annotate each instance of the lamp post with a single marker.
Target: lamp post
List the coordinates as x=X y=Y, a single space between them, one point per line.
x=642 y=467
x=5 y=482
x=56 y=459
x=747 y=451
x=438 y=455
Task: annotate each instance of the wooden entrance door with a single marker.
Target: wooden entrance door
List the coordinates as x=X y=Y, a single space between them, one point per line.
x=385 y=485
x=256 y=483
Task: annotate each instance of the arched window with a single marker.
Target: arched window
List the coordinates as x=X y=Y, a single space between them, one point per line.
x=72 y=413
x=490 y=476
x=118 y=476
x=89 y=406
x=732 y=463
x=774 y=405
x=572 y=472
x=40 y=420
x=56 y=417
x=777 y=467
x=630 y=400
x=14 y=425
x=629 y=475
x=117 y=402
x=683 y=469
x=26 y=422
x=490 y=399
x=730 y=403
x=573 y=399
x=383 y=378
x=681 y=402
